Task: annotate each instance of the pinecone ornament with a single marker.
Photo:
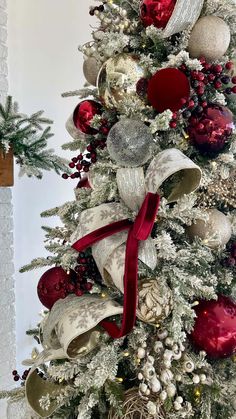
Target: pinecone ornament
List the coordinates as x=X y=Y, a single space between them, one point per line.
x=155 y=301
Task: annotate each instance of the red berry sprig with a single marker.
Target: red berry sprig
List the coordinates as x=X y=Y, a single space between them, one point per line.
x=94 y=9
x=17 y=377
x=86 y=271
x=211 y=76
x=82 y=163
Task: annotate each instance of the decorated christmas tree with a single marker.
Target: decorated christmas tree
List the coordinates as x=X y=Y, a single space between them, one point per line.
x=141 y=290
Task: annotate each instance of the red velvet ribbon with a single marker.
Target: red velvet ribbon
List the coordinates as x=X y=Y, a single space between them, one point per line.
x=139 y=230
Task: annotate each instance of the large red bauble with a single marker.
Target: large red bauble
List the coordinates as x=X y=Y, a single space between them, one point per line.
x=156 y=12
x=52 y=286
x=211 y=131
x=83 y=115
x=215 y=327
x=166 y=89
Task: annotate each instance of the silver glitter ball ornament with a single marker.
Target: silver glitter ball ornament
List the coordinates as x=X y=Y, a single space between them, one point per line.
x=209 y=38
x=129 y=143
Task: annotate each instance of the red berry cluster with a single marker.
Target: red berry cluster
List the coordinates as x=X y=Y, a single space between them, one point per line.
x=81 y=163
x=142 y=87
x=231 y=260
x=17 y=377
x=94 y=9
x=211 y=76
x=86 y=271
x=79 y=279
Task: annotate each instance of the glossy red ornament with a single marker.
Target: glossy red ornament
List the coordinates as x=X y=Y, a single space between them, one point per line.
x=215 y=327
x=83 y=115
x=156 y=12
x=52 y=286
x=212 y=130
x=167 y=88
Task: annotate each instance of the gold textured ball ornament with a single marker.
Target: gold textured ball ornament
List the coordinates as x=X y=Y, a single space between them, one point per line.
x=118 y=78
x=210 y=38
x=91 y=69
x=215 y=232
x=155 y=301
x=135 y=407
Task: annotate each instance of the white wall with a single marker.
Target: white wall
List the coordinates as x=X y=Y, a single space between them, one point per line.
x=43 y=63
x=7 y=312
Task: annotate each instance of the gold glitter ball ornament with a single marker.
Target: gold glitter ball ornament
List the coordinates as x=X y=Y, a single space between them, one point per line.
x=118 y=78
x=209 y=38
x=215 y=232
x=155 y=301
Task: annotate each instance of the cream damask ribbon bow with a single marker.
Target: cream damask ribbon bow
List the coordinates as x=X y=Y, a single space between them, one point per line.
x=133 y=186
x=71 y=328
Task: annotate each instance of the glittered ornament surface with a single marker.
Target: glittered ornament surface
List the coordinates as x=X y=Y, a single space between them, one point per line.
x=209 y=38
x=83 y=115
x=215 y=327
x=129 y=143
x=210 y=132
x=216 y=231
x=52 y=286
x=91 y=69
x=118 y=78
x=166 y=89
x=156 y=12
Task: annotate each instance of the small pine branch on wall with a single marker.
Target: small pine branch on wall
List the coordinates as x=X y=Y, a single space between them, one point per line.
x=28 y=139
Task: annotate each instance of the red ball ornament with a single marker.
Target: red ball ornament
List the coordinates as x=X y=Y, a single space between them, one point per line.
x=211 y=131
x=156 y=12
x=83 y=115
x=167 y=88
x=52 y=286
x=215 y=327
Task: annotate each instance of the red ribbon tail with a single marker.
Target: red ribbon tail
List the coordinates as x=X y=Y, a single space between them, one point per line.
x=130 y=291
x=145 y=219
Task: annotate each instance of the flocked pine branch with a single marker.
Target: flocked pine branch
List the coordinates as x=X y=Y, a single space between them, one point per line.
x=26 y=136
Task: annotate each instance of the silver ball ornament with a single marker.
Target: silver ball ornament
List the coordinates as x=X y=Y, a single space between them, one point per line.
x=209 y=38
x=129 y=143
x=91 y=69
x=215 y=232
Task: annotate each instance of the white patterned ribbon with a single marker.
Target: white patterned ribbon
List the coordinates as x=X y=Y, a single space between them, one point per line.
x=70 y=331
x=186 y=12
x=133 y=186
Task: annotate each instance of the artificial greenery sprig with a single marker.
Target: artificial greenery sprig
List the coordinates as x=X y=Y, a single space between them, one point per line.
x=28 y=140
